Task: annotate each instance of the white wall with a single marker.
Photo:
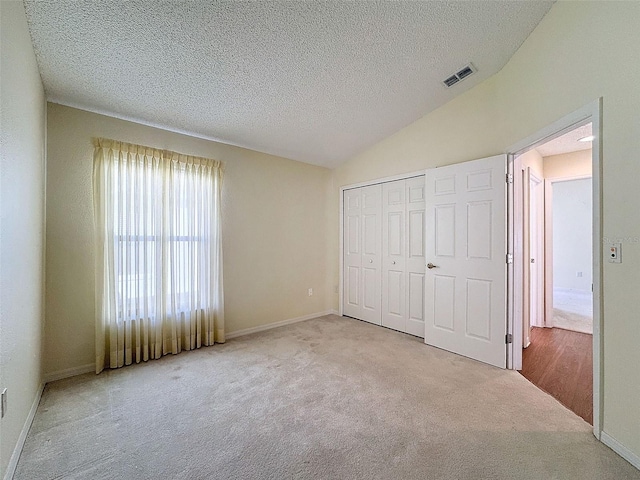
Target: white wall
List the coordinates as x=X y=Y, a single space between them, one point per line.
x=572 y=58
x=572 y=234
x=22 y=140
x=273 y=229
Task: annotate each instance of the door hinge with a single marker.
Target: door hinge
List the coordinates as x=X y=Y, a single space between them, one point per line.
x=509 y=177
x=509 y=338
x=509 y=258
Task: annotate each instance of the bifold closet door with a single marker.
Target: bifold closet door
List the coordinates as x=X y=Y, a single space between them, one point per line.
x=403 y=255
x=362 y=259
x=394 y=249
x=416 y=255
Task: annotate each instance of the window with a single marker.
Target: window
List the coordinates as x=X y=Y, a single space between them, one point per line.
x=159 y=275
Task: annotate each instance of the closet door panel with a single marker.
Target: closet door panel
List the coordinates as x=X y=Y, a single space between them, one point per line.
x=352 y=248
x=371 y=228
x=415 y=263
x=394 y=251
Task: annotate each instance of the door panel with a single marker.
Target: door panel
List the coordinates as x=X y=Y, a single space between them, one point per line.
x=353 y=234
x=445 y=230
x=370 y=288
x=444 y=302
x=479 y=309
x=394 y=253
x=353 y=283
x=394 y=292
x=352 y=254
x=415 y=262
x=416 y=299
x=395 y=228
x=479 y=227
x=416 y=234
x=371 y=253
x=466 y=240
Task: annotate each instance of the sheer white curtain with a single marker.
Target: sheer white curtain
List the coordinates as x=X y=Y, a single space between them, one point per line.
x=159 y=253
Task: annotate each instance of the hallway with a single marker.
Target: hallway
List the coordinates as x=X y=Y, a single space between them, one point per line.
x=560 y=362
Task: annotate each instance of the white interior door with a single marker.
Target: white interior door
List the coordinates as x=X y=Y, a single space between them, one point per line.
x=394 y=255
x=465 y=288
x=536 y=250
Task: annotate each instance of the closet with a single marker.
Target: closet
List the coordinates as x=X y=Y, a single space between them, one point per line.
x=384 y=254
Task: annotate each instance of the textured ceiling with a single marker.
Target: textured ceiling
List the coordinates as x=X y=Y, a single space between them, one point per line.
x=567 y=143
x=313 y=81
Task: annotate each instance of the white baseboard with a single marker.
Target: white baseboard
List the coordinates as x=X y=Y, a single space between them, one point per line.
x=269 y=326
x=69 y=372
x=620 y=449
x=17 y=451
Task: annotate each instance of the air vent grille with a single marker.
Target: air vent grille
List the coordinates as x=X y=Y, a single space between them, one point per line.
x=452 y=80
x=461 y=74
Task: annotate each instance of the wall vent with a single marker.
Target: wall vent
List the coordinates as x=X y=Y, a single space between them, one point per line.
x=461 y=74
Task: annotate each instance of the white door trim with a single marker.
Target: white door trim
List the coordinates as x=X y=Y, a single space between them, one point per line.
x=589 y=113
x=539 y=266
x=376 y=181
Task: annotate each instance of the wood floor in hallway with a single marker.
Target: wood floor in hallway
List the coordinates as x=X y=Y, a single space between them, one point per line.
x=560 y=362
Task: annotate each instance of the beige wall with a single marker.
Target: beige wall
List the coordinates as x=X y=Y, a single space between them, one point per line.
x=568 y=164
x=22 y=140
x=573 y=57
x=274 y=231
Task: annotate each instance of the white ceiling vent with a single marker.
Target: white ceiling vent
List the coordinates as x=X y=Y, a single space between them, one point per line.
x=461 y=74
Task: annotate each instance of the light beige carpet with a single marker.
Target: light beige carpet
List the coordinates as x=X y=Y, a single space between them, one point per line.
x=329 y=398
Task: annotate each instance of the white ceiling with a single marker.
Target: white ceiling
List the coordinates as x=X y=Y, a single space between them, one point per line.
x=313 y=81
x=567 y=143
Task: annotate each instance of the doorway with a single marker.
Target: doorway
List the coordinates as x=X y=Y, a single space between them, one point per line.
x=570 y=204
x=563 y=351
x=557 y=225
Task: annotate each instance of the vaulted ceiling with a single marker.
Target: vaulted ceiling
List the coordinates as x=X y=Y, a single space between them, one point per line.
x=313 y=81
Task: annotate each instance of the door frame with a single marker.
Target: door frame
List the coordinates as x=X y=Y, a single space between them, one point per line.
x=367 y=183
x=590 y=113
x=532 y=247
x=539 y=247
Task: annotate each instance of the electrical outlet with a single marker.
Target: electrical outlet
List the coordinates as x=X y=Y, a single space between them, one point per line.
x=3 y=402
x=335 y=289
x=310 y=291
x=579 y=274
